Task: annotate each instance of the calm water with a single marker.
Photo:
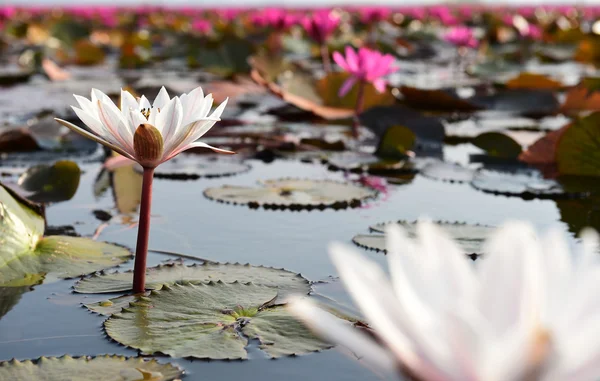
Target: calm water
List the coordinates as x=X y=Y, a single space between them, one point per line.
x=50 y=321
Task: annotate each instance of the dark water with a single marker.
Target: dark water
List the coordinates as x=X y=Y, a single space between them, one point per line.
x=50 y=321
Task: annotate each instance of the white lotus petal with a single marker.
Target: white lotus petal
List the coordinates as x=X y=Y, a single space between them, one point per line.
x=94 y=124
x=144 y=103
x=508 y=276
x=205 y=108
x=338 y=332
x=192 y=104
x=98 y=95
x=168 y=122
x=87 y=105
x=128 y=102
x=371 y=291
x=590 y=245
x=112 y=120
x=95 y=138
x=195 y=145
x=161 y=99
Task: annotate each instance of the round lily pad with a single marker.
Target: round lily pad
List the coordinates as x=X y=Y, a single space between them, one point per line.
x=210 y=321
x=469 y=237
x=192 y=167
x=294 y=194
x=528 y=184
x=361 y=162
x=25 y=253
x=51 y=183
x=286 y=282
x=578 y=150
x=448 y=172
x=100 y=368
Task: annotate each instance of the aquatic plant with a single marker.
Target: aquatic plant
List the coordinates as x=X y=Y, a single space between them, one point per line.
x=439 y=318
x=149 y=134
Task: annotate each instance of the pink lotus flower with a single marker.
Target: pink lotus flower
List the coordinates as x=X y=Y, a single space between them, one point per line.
x=366 y=66
x=276 y=18
x=320 y=25
x=531 y=32
x=201 y=26
x=461 y=36
x=371 y=15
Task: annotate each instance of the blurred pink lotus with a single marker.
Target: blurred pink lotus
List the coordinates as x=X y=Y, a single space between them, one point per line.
x=277 y=18
x=320 y=25
x=366 y=66
x=461 y=36
x=201 y=26
x=370 y=15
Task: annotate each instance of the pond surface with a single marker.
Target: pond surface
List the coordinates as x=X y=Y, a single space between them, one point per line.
x=50 y=321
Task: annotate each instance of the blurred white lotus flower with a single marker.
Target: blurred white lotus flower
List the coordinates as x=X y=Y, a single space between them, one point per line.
x=148 y=134
x=529 y=311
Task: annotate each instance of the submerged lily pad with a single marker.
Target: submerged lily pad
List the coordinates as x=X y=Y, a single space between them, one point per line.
x=285 y=281
x=100 y=368
x=210 y=321
x=469 y=237
x=528 y=184
x=51 y=183
x=295 y=194
x=25 y=252
x=448 y=172
x=191 y=167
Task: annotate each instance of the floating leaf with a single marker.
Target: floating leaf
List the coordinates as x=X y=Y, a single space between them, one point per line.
x=395 y=143
x=533 y=81
x=226 y=57
x=210 y=321
x=87 y=53
x=448 y=172
x=580 y=98
x=51 y=183
x=527 y=184
x=469 y=237
x=25 y=252
x=328 y=88
x=436 y=100
x=295 y=194
x=286 y=282
x=191 y=167
x=100 y=368
x=578 y=150
x=498 y=144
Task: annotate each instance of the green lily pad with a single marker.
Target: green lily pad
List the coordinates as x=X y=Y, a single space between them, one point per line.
x=527 y=184
x=25 y=252
x=100 y=368
x=469 y=237
x=295 y=194
x=498 y=144
x=210 y=321
x=286 y=282
x=51 y=183
x=447 y=172
x=578 y=150
x=395 y=143
x=192 y=167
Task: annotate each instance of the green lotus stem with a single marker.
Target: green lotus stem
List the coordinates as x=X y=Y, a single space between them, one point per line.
x=360 y=100
x=141 y=250
x=325 y=58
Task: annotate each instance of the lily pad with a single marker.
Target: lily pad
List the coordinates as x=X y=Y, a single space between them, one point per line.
x=51 y=183
x=295 y=194
x=527 y=184
x=395 y=143
x=468 y=236
x=210 y=321
x=498 y=144
x=448 y=172
x=26 y=253
x=192 y=167
x=103 y=368
x=578 y=151
x=286 y=282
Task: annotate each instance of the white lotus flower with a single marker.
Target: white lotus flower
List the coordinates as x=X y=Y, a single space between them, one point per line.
x=148 y=134
x=528 y=311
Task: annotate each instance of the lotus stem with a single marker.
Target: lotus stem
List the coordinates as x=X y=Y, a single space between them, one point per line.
x=360 y=100
x=325 y=58
x=141 y=250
